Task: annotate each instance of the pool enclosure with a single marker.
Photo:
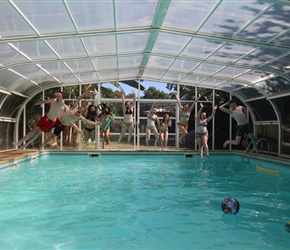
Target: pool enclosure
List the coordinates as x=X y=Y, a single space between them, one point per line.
x=223 y=49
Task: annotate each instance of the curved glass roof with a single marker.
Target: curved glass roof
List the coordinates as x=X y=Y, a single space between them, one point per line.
x=238 y=46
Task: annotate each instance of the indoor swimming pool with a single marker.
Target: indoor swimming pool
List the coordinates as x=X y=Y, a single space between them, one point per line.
x=143 y=201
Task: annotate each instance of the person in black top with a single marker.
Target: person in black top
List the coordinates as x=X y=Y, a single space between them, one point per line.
x=128 y=121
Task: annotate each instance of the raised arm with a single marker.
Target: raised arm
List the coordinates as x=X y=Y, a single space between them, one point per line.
x=212 y=114
x=222 y=107
x=195 y=101
x=96 y=97
x=84 y=95
x=44 y=102
x=199 y=112
x=178 y=100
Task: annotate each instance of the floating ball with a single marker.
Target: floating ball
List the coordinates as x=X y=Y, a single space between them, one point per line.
x=231 y=205
x=287 y=226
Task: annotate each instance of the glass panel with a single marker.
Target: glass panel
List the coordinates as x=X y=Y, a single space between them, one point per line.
x=105 y=63
x=225 y=20
x=172 y=77
x=2 y=96
x=108 y=76
x=269 y=132
x=6 y=135
x=37 y=49
x=159 y=62
x=269 y=25
x=100 y=45
x=132 y=42
x=248 y=93
x=9 y=55
x=129 y=61
x=11 y=105
x=251 y=76
x=192 y=79
x=230 y=72
x=68 y=47
x=29 y=70
x=170 y=43
x=231 y=86
x=231 y=52
x=283 y=40
x=88 y=77
x=263 y=110
x=55 y=67
x=84 y=14
x=68 y=79
x=47 y=17
x=280 y=63
x=12 y=24
x=283 y=105
x=80 y=65
x=200 y=48
x=46 y=81
x=26 y=88
x=274 y=85
x=262 y=55
x=211 y=82
x=152 y=74
x=129 y=14
x=128 y=74
x=187 y=14
x=207 y=68
x=183 y=65
x=9 y=78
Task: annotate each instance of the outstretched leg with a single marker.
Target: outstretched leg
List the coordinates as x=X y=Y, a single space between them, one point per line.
x=27 y=136
x=32 y=139
x=236 y=142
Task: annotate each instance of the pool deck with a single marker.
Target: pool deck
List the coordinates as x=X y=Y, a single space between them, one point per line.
x=8 y=156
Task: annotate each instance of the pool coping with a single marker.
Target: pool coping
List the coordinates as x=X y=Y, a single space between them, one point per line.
x=14 y=157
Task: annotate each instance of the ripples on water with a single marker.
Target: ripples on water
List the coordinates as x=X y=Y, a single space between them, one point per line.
x=142 y=202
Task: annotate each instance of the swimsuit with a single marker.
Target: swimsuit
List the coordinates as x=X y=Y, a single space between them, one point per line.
x=201 y=124
x=58 y=127
x=184 y=118
x=91 y=118
x=45 y=124
x=151 y=127
x=201 y=133
x=89 y=129
x=164 y=128
x=129 y=112
x=244 y=129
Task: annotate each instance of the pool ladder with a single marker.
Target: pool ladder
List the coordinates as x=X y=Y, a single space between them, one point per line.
x=257 y=143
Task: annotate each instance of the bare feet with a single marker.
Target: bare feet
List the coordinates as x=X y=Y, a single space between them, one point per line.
x=225 y=144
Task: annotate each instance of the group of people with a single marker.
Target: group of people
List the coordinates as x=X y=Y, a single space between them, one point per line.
x=60 y=116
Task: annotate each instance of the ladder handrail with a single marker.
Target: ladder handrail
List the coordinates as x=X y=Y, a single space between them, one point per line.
x=262 y=139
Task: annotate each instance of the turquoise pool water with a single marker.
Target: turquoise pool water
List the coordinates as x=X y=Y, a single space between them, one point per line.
x=142 y=202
